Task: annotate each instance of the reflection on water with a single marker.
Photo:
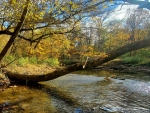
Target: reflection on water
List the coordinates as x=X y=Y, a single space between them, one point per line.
x=22 y=99
x=89 y=88
x=131 y=95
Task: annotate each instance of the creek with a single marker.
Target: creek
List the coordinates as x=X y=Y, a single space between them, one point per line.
x=129 y=93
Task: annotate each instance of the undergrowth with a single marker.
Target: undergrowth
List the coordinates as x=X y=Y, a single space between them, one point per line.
x=142 y=57
x=23 y=61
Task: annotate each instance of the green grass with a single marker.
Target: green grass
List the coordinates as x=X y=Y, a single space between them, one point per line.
x=132 y=60
x=33 y=60
x=142 y=57
x=23 y=61
x=8 y=59
x=52 y=61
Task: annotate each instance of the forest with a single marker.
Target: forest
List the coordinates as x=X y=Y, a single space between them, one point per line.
x=99 y=53
x=58 y=33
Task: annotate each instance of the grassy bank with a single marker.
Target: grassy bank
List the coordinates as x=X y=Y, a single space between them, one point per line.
x=23 y=61
x=34 y=65
x=140 y=57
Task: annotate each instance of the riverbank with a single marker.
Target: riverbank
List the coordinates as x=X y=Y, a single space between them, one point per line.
x=31 y=69
x=98 y=91
x=114 y=66
x=118 y=66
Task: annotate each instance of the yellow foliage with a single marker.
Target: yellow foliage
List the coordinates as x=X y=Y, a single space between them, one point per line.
x=53 y=46
x=12 y=2
x=3 y=39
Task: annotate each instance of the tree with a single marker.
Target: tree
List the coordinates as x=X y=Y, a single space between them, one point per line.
x=101 y=33
x=79 y=66
x=50 y=17
x=16 y=31
x=135 y=21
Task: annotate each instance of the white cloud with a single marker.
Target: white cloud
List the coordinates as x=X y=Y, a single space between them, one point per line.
x=121 y=12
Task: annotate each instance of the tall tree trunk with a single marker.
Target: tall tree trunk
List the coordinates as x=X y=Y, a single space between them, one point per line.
x=79 y=66
x=15 y=33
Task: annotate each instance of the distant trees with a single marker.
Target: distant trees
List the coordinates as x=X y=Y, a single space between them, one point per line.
x=136 y=22
x=96 y=38
x=135 y=25
x=135 y=28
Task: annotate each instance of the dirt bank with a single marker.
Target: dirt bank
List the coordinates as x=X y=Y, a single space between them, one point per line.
x=117 y=65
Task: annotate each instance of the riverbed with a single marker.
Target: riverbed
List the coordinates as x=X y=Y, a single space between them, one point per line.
x=126 y=93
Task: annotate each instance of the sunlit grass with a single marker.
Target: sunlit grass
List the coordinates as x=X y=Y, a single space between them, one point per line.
x=31 y=69
x=23 y=61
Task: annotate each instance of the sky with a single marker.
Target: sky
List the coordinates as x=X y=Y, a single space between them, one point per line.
x=141 y=3
x=120 y=12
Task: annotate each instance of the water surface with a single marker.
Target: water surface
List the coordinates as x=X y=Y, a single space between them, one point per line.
x=96 y=95
x=129 y=93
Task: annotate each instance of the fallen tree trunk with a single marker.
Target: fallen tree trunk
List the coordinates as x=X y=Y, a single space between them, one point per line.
x=79 y=66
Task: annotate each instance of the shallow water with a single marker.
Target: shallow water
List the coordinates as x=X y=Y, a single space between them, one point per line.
x=89 y=88
x=21 y=99
x=96 y=95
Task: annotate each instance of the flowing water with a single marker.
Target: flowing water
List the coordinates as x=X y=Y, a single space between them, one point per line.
x=129 y=93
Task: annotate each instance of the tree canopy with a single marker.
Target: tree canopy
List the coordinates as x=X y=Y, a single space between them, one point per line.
x=68 y=29
x=52 y=17
x=61 y=25
x=33 y=20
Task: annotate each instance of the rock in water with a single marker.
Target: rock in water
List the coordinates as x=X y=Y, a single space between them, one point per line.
x=78 y=110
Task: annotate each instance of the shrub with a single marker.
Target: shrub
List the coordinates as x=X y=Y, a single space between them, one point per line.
x=132 y=60
x=144 y=53
x=52 y=61
x=33 y=60
x=9 y=58
x=23 y=61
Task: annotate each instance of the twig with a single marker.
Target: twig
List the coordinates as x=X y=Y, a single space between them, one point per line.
x=85 y=62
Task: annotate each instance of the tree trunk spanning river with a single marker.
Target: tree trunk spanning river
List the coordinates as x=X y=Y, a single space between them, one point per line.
x=80 y=66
